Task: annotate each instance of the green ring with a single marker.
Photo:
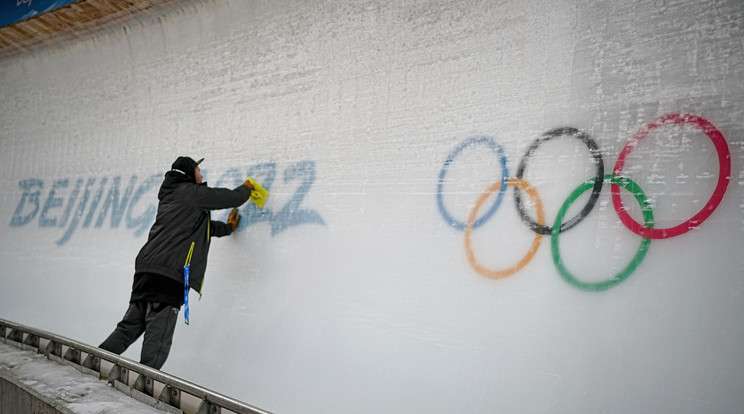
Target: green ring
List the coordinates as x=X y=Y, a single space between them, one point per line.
x=648 y=221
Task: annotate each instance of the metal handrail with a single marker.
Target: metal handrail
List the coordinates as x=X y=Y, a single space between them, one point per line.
x=143 y=388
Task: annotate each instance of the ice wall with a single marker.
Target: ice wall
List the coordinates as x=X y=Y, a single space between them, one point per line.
x=388 y=272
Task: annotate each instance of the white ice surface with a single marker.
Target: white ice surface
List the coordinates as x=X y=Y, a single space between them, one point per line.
x=351 y=111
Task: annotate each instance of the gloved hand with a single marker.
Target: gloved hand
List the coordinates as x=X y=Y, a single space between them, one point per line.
x=233 y=219
x=248 y=184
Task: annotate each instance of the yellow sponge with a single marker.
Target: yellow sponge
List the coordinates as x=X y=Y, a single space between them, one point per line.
x=259 y=194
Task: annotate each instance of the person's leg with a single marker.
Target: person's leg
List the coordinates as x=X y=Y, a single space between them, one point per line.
x=161 y=323
x=128 y=330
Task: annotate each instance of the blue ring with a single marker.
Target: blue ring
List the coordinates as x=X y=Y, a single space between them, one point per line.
x=460 y=225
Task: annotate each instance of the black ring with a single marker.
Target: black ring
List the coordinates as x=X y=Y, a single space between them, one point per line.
x=598 y=179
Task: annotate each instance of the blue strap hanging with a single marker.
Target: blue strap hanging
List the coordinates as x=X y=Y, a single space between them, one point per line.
x=186 y=270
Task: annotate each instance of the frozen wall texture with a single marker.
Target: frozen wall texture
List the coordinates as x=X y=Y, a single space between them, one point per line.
x=462 y=196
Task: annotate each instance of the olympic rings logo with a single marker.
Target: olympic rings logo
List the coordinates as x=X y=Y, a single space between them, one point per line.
x=616 y=180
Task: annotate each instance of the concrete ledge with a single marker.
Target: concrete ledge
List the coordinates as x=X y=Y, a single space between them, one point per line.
x=16 y=397
x=31 y=383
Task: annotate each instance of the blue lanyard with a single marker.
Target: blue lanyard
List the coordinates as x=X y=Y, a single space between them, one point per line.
x=186 y=270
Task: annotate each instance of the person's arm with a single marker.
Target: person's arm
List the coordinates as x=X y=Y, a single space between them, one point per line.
x=219 y=198
x=220 y=229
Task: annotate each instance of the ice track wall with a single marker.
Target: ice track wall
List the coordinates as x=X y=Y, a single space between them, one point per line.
x=462 y=196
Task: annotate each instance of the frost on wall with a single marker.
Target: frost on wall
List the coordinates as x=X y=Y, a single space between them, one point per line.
x=475 y=207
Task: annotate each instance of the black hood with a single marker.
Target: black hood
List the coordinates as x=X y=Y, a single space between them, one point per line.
x=172 y=179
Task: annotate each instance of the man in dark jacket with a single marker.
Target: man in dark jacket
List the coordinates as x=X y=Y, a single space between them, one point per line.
x=181 y=235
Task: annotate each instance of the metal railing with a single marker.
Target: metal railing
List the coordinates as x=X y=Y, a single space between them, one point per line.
x=145 y=384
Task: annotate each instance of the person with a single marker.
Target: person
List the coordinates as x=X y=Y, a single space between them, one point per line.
x=182 y=231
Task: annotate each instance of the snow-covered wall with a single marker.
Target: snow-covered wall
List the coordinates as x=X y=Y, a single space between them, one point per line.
x=388 y=272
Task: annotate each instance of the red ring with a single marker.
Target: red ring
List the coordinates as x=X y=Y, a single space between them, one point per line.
x=724 y=175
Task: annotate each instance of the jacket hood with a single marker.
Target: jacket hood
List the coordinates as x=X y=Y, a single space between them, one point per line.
x=172 y=180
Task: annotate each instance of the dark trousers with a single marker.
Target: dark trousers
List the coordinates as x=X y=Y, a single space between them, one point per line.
x=156 y=320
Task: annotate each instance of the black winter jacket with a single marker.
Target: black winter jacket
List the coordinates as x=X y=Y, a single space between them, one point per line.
x=184 y=218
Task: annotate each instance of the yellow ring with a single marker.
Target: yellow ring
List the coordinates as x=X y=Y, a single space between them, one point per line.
x=498 y=274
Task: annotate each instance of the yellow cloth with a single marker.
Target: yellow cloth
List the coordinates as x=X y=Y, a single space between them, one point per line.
x=259 y=194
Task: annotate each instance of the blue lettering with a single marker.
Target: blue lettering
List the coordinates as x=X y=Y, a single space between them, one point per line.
x=78 y=212
x=30 y=197
x=230 y=179
x=291 y=214
x=52 y=203
x=94 y=203
x=71 y=202
x=85 y=198
x=112 y=201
